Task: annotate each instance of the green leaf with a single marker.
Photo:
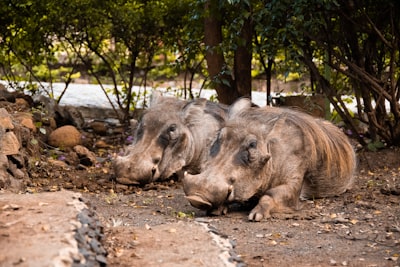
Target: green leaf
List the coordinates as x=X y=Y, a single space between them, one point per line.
x=375 y=146
x=34 y=141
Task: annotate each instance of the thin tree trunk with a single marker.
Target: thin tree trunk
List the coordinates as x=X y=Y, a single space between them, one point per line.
x=216 y=65
x=242 y=64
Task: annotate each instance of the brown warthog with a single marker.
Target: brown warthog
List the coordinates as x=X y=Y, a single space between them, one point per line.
x=274 y=156
x=172 y=136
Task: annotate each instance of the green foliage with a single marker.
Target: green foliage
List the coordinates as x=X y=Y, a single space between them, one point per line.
x=184 y=215
x=345 y=48
x=375 y=146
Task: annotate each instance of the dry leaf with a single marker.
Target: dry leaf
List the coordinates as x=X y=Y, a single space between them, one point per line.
x=354 y=221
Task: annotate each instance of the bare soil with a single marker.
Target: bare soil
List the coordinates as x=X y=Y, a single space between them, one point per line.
x=156 y=226
x=153 y=225
x=359 y=228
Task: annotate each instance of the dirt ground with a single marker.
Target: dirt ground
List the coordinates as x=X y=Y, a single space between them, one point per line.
x=359 y=228
x=143 y=225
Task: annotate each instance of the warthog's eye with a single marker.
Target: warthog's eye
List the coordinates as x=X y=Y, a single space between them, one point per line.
x=173 y=132
x=172 y=128
x=253 y=144
x=249 y=153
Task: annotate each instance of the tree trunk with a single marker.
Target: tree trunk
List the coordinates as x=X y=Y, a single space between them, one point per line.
x=242 y=63
x=216 y=65
x=268 y=74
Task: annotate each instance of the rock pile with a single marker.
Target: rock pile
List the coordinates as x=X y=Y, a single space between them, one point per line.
x=15 y=142
x=32 y=132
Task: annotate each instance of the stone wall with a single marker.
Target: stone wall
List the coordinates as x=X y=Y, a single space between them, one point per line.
x=16 y=147
x=29 y=132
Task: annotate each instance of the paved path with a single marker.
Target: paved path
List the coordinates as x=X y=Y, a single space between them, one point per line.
x=45 y=229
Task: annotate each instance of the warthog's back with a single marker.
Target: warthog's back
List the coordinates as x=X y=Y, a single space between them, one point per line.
x=329 y=155
x=275 y=156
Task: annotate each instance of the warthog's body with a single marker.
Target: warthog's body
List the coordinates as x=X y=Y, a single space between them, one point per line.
x=172 y=136
x=275 y=156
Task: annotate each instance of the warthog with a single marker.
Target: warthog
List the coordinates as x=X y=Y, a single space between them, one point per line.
x=274 y=156
x=172 y=136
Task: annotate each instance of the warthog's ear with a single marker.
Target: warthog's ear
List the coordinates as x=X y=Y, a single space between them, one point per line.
x=192 y=109
x=240 y=105
x=155 y=98
x=134 y=124
x=265 y=158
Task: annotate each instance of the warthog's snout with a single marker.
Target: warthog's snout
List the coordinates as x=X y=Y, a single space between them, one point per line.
x=212 y=197
x=129 y=170
x=126 y=181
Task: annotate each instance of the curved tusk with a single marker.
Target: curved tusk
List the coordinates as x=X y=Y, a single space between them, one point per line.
x=126 y=181
x=230 y=188
x=199 y=202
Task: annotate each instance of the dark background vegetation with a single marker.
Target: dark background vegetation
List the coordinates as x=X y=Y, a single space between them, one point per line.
x=347 y=50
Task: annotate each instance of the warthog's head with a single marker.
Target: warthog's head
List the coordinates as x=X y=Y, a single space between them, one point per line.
x=170 y=136
x=237 y=157
x=159 y=127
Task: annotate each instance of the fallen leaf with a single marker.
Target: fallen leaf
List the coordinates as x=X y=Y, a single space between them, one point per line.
x=119 y=252
x=45 y=227
x=392 y=258
x=10 y=207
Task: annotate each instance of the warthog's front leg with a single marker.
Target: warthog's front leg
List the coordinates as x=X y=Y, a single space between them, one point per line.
x=282 y=198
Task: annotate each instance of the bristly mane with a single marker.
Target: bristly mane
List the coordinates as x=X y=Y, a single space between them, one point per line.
x=331 y=158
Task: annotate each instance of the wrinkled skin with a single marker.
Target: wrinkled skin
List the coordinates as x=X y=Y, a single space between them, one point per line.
x=172 y=136
x=274 y=156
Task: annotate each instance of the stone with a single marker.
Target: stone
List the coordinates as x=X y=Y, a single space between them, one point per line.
x=101 y=144
x=99 y=127
x=74 y=116
x=58 y=163
x=5 y=120
x=5 y=95
x=9 y=144
x=66 y=136
x=28 y=123
x=15 y=171
x=6 y=180
x=4 y=175
x=26 y=120
x=21 y=102
x=86 y=157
